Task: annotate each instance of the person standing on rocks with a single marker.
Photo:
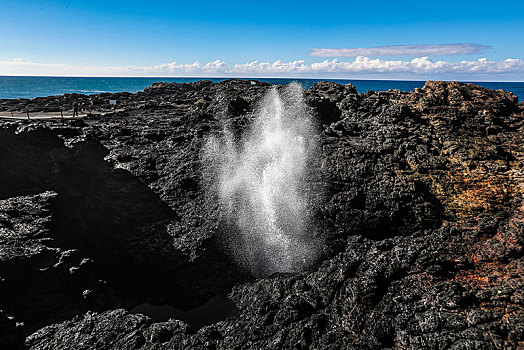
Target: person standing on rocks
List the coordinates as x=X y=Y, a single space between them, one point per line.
x=75 y=109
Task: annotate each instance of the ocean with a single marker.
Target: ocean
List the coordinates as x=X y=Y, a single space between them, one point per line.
x=31 y=87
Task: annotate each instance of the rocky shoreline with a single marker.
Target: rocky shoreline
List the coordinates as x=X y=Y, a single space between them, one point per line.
x=422 y=218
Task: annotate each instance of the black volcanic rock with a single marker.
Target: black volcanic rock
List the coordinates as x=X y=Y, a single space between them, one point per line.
x=171 y=88
x=421 y=215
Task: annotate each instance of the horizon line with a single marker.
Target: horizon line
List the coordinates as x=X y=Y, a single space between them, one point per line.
x=255 y=78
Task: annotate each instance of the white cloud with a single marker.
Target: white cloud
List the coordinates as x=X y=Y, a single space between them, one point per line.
x=361 y=66
x=266 y=67
x=214 y=66
x=366 y=65
x=419 y=66
x=404 y=50
x=20 y=60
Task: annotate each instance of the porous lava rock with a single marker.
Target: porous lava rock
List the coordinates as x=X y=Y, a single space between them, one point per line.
x=421 y=215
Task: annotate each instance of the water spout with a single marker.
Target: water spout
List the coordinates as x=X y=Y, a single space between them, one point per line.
x=263 y=184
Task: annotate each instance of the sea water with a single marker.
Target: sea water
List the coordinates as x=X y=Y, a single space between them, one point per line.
x=31 y=87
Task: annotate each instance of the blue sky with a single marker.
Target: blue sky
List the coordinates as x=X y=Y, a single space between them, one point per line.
x=252 y=38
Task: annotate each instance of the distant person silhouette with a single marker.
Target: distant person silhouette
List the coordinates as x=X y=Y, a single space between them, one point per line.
x=75 y=109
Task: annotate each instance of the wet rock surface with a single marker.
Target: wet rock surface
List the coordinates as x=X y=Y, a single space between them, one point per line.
x=421 y=217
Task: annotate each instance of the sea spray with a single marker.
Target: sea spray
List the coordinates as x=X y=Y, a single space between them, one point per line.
x=262 y=184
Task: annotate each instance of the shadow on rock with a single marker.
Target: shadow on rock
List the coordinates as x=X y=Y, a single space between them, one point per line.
x=103 y=241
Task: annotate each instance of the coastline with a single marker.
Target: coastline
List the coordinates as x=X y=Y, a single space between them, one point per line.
x=60 y=106
x=109 y=217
